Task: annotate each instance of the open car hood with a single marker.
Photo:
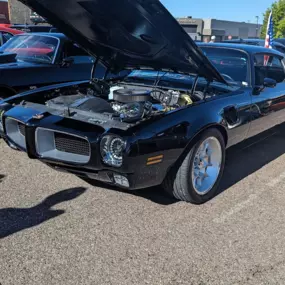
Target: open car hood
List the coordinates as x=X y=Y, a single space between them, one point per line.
x=127 y=34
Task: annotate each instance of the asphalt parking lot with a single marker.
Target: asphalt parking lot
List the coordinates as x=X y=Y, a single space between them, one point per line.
x=56 y=228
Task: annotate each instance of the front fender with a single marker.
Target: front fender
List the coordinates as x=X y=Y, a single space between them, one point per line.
x=21 y=96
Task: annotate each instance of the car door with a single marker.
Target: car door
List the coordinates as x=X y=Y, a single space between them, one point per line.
x=268 y=103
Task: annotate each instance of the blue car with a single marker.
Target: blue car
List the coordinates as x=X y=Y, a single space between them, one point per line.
x=33 y=60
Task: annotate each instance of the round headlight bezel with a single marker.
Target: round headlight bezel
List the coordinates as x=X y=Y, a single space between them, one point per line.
x=111 y=150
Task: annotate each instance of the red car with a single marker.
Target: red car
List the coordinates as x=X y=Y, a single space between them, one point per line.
x=7 y=33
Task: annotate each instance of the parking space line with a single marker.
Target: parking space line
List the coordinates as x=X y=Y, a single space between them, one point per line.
x=240 y=206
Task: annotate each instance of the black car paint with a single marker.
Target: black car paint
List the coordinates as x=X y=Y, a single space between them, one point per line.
x=22 y=75
x=263 y=114
x=171 y=134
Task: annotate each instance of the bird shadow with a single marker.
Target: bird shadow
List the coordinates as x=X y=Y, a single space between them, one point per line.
x=1 y=177
x=13 y=220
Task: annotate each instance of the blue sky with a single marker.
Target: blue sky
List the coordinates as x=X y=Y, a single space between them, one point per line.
x=234 y=10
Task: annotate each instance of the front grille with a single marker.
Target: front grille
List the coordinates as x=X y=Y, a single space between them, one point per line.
x=71 y=144
x=62 y=146
x=15 y=131
x=21 y=128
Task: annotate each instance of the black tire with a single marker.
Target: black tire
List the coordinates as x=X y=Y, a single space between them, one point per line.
x=178 y=182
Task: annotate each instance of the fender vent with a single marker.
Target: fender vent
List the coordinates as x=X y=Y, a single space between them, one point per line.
x=231 y=115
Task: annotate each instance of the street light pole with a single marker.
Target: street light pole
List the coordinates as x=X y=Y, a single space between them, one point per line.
x=257 y=19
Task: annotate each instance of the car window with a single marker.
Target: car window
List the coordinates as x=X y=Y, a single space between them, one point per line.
x=32 y=47
x=232 y=64
x=71 y=49
x=6 y=36
x=268 y=66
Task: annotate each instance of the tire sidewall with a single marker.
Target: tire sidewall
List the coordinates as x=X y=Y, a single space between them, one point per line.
x=199 y=199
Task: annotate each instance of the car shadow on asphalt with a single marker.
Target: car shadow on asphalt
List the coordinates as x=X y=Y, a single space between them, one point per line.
x=13 y=220
x=154 y=194
x=250 y=156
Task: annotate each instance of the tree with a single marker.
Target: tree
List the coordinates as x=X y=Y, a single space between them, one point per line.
x=278 y=15
x=265 y=21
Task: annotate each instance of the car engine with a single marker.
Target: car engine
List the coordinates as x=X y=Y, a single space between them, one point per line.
x=125 y=103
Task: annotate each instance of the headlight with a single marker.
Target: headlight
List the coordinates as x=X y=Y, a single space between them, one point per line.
x=111 y=148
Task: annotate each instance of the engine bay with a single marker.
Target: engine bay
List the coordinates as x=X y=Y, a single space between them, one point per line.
x=119 y=104
x=123 y=102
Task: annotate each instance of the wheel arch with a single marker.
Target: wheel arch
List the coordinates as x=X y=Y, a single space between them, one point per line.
x=222 y=129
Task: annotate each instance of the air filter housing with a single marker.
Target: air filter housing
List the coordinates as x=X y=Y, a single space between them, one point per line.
x=128 y=95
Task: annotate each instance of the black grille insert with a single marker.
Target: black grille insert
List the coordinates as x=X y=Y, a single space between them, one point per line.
x=71 y=144
x=22 y=129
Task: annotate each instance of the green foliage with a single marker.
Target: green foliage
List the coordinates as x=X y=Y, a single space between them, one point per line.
x=278 y=13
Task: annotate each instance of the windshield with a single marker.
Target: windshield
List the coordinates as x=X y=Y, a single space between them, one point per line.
x=32 y=48
x=171 y=80
x=160 y=78
x=232 y=64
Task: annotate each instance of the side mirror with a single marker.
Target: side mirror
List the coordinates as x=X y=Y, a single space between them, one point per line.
x=267 y=83
x=66 y=62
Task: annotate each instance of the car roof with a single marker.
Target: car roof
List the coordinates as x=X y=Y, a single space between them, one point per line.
x=57 y=35
x=261 y=41
x=31 y=26
x=10 y=30
x=247 y=48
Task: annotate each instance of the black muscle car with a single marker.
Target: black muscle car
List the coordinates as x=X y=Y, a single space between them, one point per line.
x=41 y=59
x=168 y=122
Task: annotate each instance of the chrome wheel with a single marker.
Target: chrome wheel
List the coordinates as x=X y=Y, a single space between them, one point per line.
x=206 y=165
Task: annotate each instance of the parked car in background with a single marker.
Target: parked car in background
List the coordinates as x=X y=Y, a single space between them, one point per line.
x=41 y=59
x=168 y=122
x=258 y=42
x=37 y=19
x=33 y=28
x=7 y=33
x=281 y=41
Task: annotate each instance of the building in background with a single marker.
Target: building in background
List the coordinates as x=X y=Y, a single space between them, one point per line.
x=204 y=29
x=19 y=13
x=198 y=29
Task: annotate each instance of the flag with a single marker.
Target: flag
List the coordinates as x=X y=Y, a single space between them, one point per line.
x=269 y=37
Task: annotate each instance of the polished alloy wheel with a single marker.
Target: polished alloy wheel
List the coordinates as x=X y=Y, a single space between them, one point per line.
x=206 y=165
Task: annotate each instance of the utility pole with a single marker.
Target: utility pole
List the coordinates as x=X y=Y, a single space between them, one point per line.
x=257 y=19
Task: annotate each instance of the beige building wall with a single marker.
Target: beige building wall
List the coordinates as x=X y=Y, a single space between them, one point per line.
x=19 y=13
